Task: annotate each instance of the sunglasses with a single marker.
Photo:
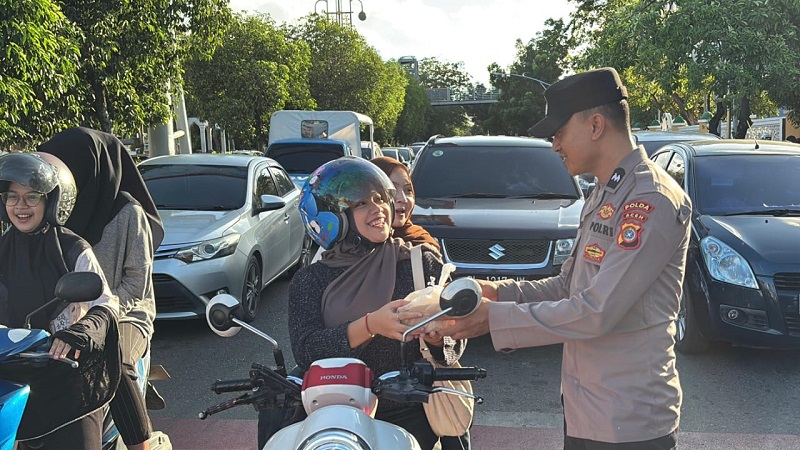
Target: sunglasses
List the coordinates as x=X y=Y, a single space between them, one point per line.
x=31 y=198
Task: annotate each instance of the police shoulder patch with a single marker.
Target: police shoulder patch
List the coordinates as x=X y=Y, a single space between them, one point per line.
x=638 y=205
x=594 y=253
x=630 y=235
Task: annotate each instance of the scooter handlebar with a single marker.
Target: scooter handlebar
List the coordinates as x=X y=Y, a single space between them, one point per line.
x=222 y=386
x=463 y=373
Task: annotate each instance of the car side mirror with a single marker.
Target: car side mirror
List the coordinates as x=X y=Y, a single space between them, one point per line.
x=269 y=203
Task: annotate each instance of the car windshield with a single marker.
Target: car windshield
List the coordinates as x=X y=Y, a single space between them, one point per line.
x=492 y=172
x=747 y=184
x=390 y=152
x=305 y=157
x=196 y=187
x=405 y=153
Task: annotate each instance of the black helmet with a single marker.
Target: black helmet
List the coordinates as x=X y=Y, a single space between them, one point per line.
x=332 y=189
x=51 y=178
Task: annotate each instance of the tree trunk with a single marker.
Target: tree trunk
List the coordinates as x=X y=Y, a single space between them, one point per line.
x=744 y=118
x=713 y=124
x=100 y=111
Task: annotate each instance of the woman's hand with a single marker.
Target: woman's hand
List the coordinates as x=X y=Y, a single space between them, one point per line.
x=387 y=321
x=60 y=350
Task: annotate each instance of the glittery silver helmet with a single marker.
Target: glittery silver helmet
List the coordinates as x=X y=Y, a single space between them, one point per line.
x=42 y=173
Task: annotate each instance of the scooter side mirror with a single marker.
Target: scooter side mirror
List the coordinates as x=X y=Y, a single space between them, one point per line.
x=76 y=287
x=72 y=287
x=220 y=312
x=463 y=297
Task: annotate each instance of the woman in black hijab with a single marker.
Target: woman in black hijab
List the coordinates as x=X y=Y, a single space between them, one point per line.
x=34 y=254
x=116 y=215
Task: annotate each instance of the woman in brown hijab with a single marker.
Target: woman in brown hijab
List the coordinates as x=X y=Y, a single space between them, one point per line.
x=403 y=203
x=345 y=305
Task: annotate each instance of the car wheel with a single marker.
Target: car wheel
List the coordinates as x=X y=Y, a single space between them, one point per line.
x=306 y=254
x=251 y=291
x=688 y=339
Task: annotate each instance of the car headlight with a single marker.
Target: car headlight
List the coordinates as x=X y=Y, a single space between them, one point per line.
x=563 y=250
x=334 y=439
x=214 y=248
x=725 y=264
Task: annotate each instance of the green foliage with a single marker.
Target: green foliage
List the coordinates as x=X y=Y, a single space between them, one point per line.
x=347 y=74
x=446 y=120
x=411 y=125
x=675 y=55
x=522 y=102
x=38 y=64
x=255 y=72
x=132 y=52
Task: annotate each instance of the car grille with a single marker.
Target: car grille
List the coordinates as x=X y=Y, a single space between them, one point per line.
x=171 y=303
x=481 y=251
x=792 y=324
x=787 y=282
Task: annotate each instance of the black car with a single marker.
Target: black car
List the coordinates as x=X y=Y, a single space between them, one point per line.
x=742 y=281
x=501 y=207
x=653 y=140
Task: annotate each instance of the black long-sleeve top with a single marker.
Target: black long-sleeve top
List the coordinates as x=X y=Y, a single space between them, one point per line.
x=312 y=341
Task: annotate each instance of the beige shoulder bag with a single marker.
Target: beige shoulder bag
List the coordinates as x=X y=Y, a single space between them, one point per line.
x=448 y=414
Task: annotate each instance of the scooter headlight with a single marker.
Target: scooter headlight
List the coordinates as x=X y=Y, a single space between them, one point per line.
x=334 y=440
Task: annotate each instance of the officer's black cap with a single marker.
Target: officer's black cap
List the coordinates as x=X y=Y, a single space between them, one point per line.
x=578 y=93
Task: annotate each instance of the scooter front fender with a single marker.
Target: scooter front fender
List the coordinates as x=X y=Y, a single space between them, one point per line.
x=378 y=435
x=13 y=398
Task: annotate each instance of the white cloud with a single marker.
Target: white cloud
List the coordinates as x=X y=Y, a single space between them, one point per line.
x=477 y=32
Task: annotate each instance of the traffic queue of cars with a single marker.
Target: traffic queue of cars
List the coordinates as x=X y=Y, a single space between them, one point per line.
x=501 y=207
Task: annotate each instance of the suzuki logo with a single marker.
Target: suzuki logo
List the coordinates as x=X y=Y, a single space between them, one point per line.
x=496 y=251
x=616 y=177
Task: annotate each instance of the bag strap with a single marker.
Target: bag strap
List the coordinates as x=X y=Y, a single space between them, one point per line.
x=416 y=267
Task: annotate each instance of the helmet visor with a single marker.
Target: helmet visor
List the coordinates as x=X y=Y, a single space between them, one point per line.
x=28 y=170
x=343 y=184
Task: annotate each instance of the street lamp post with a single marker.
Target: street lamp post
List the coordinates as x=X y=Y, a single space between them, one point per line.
x=543 y=84
x=342 y=17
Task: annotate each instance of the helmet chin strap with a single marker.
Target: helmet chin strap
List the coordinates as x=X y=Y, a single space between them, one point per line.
x=354 y=237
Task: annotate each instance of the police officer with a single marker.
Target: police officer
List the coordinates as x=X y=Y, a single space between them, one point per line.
x=615 y=302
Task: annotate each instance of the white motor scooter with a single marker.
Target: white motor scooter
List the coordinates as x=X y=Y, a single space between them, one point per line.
x=340 y=395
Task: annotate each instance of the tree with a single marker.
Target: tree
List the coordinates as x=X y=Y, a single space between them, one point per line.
x=446 y=120
x=255 y=72
x=676 y=55
x=131 y=55
x=347 y=74
x=521 y=101
x=412 y=123
x=38 y=66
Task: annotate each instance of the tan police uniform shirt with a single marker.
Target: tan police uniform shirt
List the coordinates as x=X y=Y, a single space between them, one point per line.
x=613 y=306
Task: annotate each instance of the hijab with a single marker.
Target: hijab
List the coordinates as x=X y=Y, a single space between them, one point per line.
x=107 y=180
x=408 y=232
x=369 y=278
x=30 y=266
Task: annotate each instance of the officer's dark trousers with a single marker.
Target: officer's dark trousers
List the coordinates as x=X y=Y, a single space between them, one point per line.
x=668 y=442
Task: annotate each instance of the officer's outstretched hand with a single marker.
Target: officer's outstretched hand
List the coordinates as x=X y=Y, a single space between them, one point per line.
x=488 y=289
x=473 y=325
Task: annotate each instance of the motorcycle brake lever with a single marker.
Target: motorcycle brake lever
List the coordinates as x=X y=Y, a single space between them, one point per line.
x=447 y=390
x=219 y=407
x=36 y=355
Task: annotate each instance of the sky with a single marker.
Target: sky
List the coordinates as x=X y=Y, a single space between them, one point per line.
x=475 y=32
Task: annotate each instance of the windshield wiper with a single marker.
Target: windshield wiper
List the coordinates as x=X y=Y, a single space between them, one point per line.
x=478 y=195
x=776 y=212
x=546 y=195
